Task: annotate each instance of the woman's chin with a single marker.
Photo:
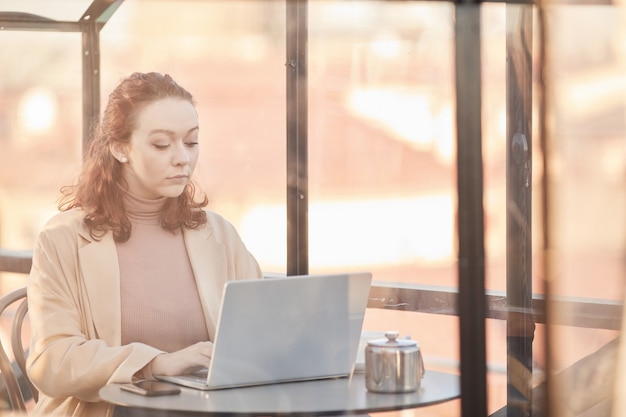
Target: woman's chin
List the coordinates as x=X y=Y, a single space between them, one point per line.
x=172 y=192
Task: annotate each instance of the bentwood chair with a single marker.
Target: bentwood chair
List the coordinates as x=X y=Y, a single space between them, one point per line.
x=18 y=387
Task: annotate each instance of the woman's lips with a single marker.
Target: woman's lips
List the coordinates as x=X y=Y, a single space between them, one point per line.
x=179 y=178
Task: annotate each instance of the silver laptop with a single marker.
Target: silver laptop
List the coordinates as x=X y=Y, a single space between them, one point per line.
x=285 y=329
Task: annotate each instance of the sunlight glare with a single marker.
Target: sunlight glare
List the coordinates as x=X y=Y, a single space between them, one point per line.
x=407 y=117
x=37 y=110
x=359 y=232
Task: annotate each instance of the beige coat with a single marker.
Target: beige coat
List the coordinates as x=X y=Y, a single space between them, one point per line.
x=74 y=308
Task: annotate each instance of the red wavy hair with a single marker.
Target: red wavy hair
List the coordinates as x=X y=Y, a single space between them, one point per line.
x=100 y=186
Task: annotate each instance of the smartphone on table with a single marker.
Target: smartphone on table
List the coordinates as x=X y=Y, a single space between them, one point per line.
x=151 y=388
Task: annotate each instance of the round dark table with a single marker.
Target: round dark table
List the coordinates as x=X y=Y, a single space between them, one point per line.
x=306 y=398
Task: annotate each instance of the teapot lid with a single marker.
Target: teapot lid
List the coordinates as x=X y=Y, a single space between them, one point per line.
x=392 y=341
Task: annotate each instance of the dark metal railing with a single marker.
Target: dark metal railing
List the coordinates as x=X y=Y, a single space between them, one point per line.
x=569 y=311
x=15 y=261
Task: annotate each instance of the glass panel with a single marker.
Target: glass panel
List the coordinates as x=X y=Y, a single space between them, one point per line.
x=587 y=166
x=382 y=167
x=40 y=131
x=61 y=10
x=381 y=139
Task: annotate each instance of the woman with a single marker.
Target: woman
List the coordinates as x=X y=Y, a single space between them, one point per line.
x=127 y=278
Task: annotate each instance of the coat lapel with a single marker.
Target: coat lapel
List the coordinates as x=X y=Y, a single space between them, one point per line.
x=100 y=271
x=207 y=256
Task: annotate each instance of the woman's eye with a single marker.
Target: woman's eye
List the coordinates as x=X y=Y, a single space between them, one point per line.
x=156 y=145
x=191 y=144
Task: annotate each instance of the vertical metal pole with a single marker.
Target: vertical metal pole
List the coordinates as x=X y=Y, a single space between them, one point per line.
x=297 y=143
x=520 y=325
x=91 y=78
x=472 y=303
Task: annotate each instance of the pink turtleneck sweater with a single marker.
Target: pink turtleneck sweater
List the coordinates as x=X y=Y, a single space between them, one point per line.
x=159 y=297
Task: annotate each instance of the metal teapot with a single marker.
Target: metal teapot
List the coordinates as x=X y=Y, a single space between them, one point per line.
x=393 y=365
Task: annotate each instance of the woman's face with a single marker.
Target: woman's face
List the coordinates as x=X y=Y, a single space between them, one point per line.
x=163 y=149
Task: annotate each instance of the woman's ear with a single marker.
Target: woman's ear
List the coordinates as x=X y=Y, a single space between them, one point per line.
x=119 y=152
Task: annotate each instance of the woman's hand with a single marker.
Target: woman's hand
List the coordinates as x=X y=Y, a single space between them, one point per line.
x=184 y=361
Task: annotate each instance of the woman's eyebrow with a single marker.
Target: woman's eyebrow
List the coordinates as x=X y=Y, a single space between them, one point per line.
x=171 y=132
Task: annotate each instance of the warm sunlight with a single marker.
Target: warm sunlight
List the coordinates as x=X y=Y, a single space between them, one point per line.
x=37 y=110
x=360 y=232
x=409 y=117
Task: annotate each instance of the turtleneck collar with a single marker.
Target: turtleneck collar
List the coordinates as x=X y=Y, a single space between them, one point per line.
x=142 y=210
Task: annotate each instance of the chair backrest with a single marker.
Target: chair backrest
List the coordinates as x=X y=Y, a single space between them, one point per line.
x=16 y=385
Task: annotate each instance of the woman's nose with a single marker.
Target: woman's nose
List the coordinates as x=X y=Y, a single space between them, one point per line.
x=181 y=155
